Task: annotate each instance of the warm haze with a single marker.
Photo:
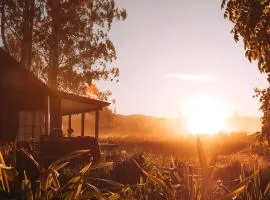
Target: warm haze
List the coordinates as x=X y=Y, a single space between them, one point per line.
x=182 y=123
x=172 y=51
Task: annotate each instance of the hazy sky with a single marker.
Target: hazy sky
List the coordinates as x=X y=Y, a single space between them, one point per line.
x=170 y=50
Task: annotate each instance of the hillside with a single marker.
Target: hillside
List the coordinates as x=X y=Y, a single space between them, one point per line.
x=134 y=125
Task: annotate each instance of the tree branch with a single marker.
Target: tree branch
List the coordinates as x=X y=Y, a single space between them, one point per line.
x=3 y=20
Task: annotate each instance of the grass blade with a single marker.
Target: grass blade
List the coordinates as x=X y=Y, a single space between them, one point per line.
x=154 y=179
x=98 y=193
x=248 y=179
x=233 y=194
x=101 y=165
x=201 y=155
x=69 y=156
x=267 y=189
x=111 y=182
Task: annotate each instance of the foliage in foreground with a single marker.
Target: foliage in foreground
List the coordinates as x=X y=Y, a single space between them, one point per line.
x=47 y=185
x=160 y=178
x=181 y=181
x=251 y=22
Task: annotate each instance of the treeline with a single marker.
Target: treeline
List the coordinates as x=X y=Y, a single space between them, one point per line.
x=133 y=125
x=121 y=125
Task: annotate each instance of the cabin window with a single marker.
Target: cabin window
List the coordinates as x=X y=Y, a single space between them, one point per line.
x=31 y=125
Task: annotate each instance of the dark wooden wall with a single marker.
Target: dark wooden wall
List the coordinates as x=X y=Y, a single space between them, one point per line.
x=18 y=91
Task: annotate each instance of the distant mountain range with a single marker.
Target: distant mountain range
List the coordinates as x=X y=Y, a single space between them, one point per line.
x=141 y=125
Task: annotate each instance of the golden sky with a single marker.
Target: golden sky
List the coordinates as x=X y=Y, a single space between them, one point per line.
x=171 y=51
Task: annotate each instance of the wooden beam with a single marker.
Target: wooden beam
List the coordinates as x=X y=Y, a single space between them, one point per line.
x=96 y=124
x=79 y=112
x=82 y=124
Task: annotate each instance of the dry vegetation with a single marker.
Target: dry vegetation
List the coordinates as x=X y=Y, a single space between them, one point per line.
x=220 y=167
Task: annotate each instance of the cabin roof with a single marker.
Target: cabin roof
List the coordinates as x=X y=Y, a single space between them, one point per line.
x=74 y=104
x=7 y=61
x=70 y=103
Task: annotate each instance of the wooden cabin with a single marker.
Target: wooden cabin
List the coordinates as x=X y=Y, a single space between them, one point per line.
x=25 y=104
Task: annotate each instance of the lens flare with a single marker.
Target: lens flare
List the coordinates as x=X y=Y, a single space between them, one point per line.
x=205 y=115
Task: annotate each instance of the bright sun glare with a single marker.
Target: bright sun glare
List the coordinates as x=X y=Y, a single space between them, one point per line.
x=205 y=115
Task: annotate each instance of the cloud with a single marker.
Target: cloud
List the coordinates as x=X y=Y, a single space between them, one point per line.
x=189 y=77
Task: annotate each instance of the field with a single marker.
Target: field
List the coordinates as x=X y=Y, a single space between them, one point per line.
x=227 y=166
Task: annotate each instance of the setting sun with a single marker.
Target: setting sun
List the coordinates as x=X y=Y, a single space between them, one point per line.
x=205 y=115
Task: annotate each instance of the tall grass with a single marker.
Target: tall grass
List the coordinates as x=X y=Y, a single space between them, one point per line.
x=184 y=184
x=160 y=177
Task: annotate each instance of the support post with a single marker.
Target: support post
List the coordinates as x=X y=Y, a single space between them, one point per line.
x=69 y=121
x=82 y=124
x=69 y=130
x=33 y=124
x=55 y=115
x=46 y=113
x=96 y=124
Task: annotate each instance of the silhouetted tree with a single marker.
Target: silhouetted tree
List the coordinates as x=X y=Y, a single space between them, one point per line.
x=17 y=19
x=64 y=42
x=251 y=22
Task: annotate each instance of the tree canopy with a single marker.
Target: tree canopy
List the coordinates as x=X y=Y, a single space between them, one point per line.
x=64 y=42
x=251 y=19
x=251 y=23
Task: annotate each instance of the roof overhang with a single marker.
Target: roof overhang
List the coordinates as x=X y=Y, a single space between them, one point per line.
x=74 y=104
x=23 y=77
x=70 y=103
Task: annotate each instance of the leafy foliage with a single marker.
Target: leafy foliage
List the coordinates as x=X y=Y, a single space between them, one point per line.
x=162 y=177
x=182 y=182
x=251 y=22
x=68 y=40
